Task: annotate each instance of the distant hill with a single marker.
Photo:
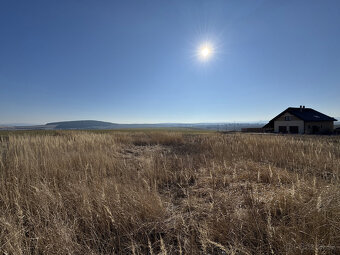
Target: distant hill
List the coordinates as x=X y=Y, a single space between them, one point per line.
x=82 y=124
x=94 y=124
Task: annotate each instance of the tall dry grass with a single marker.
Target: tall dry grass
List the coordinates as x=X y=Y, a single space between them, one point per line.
x=169 y=193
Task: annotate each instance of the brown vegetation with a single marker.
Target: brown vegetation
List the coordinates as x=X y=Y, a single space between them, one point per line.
x=168 y=193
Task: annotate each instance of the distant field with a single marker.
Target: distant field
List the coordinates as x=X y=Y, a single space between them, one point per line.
x=168 y=191
x=105 y=131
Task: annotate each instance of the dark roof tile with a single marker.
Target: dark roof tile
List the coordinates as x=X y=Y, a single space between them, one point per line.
x=309 y=114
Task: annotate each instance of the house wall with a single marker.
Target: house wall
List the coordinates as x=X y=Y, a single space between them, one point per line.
x=293 y=122
x=324 y=127
x=298 y=123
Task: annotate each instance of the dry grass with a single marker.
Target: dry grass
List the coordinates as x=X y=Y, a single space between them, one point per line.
x=169 y=193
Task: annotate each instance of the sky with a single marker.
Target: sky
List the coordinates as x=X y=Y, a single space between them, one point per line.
x=129 y=61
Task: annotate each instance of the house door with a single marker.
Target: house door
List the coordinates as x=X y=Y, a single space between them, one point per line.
x=282 y=129
x=294 y=129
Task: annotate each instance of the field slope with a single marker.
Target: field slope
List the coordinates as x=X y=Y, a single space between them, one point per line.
x=163 y=192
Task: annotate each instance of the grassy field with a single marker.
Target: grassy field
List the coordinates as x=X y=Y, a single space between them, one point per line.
x=168 y=192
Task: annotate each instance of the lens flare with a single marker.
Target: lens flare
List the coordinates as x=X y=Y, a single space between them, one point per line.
x=205 y=51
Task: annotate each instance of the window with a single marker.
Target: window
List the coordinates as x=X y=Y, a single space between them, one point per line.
x=287 y=118
x=315 y=129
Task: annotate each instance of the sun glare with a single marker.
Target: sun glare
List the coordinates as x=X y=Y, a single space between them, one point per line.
x=205 y=51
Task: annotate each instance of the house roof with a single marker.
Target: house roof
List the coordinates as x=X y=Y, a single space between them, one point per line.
x=305 y=114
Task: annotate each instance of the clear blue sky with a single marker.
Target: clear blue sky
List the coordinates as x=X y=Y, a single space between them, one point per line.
x=134 y=61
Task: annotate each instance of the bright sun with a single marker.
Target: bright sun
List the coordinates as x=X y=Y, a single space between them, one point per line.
x=205 y=51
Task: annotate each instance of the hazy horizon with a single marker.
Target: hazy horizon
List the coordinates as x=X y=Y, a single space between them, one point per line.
x=136 y=123
x=167 y=61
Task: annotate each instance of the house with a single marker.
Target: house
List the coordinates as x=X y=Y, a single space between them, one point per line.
x=301 y=120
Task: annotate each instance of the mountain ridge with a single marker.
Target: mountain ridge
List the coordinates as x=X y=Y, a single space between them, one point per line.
x=79 y=124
